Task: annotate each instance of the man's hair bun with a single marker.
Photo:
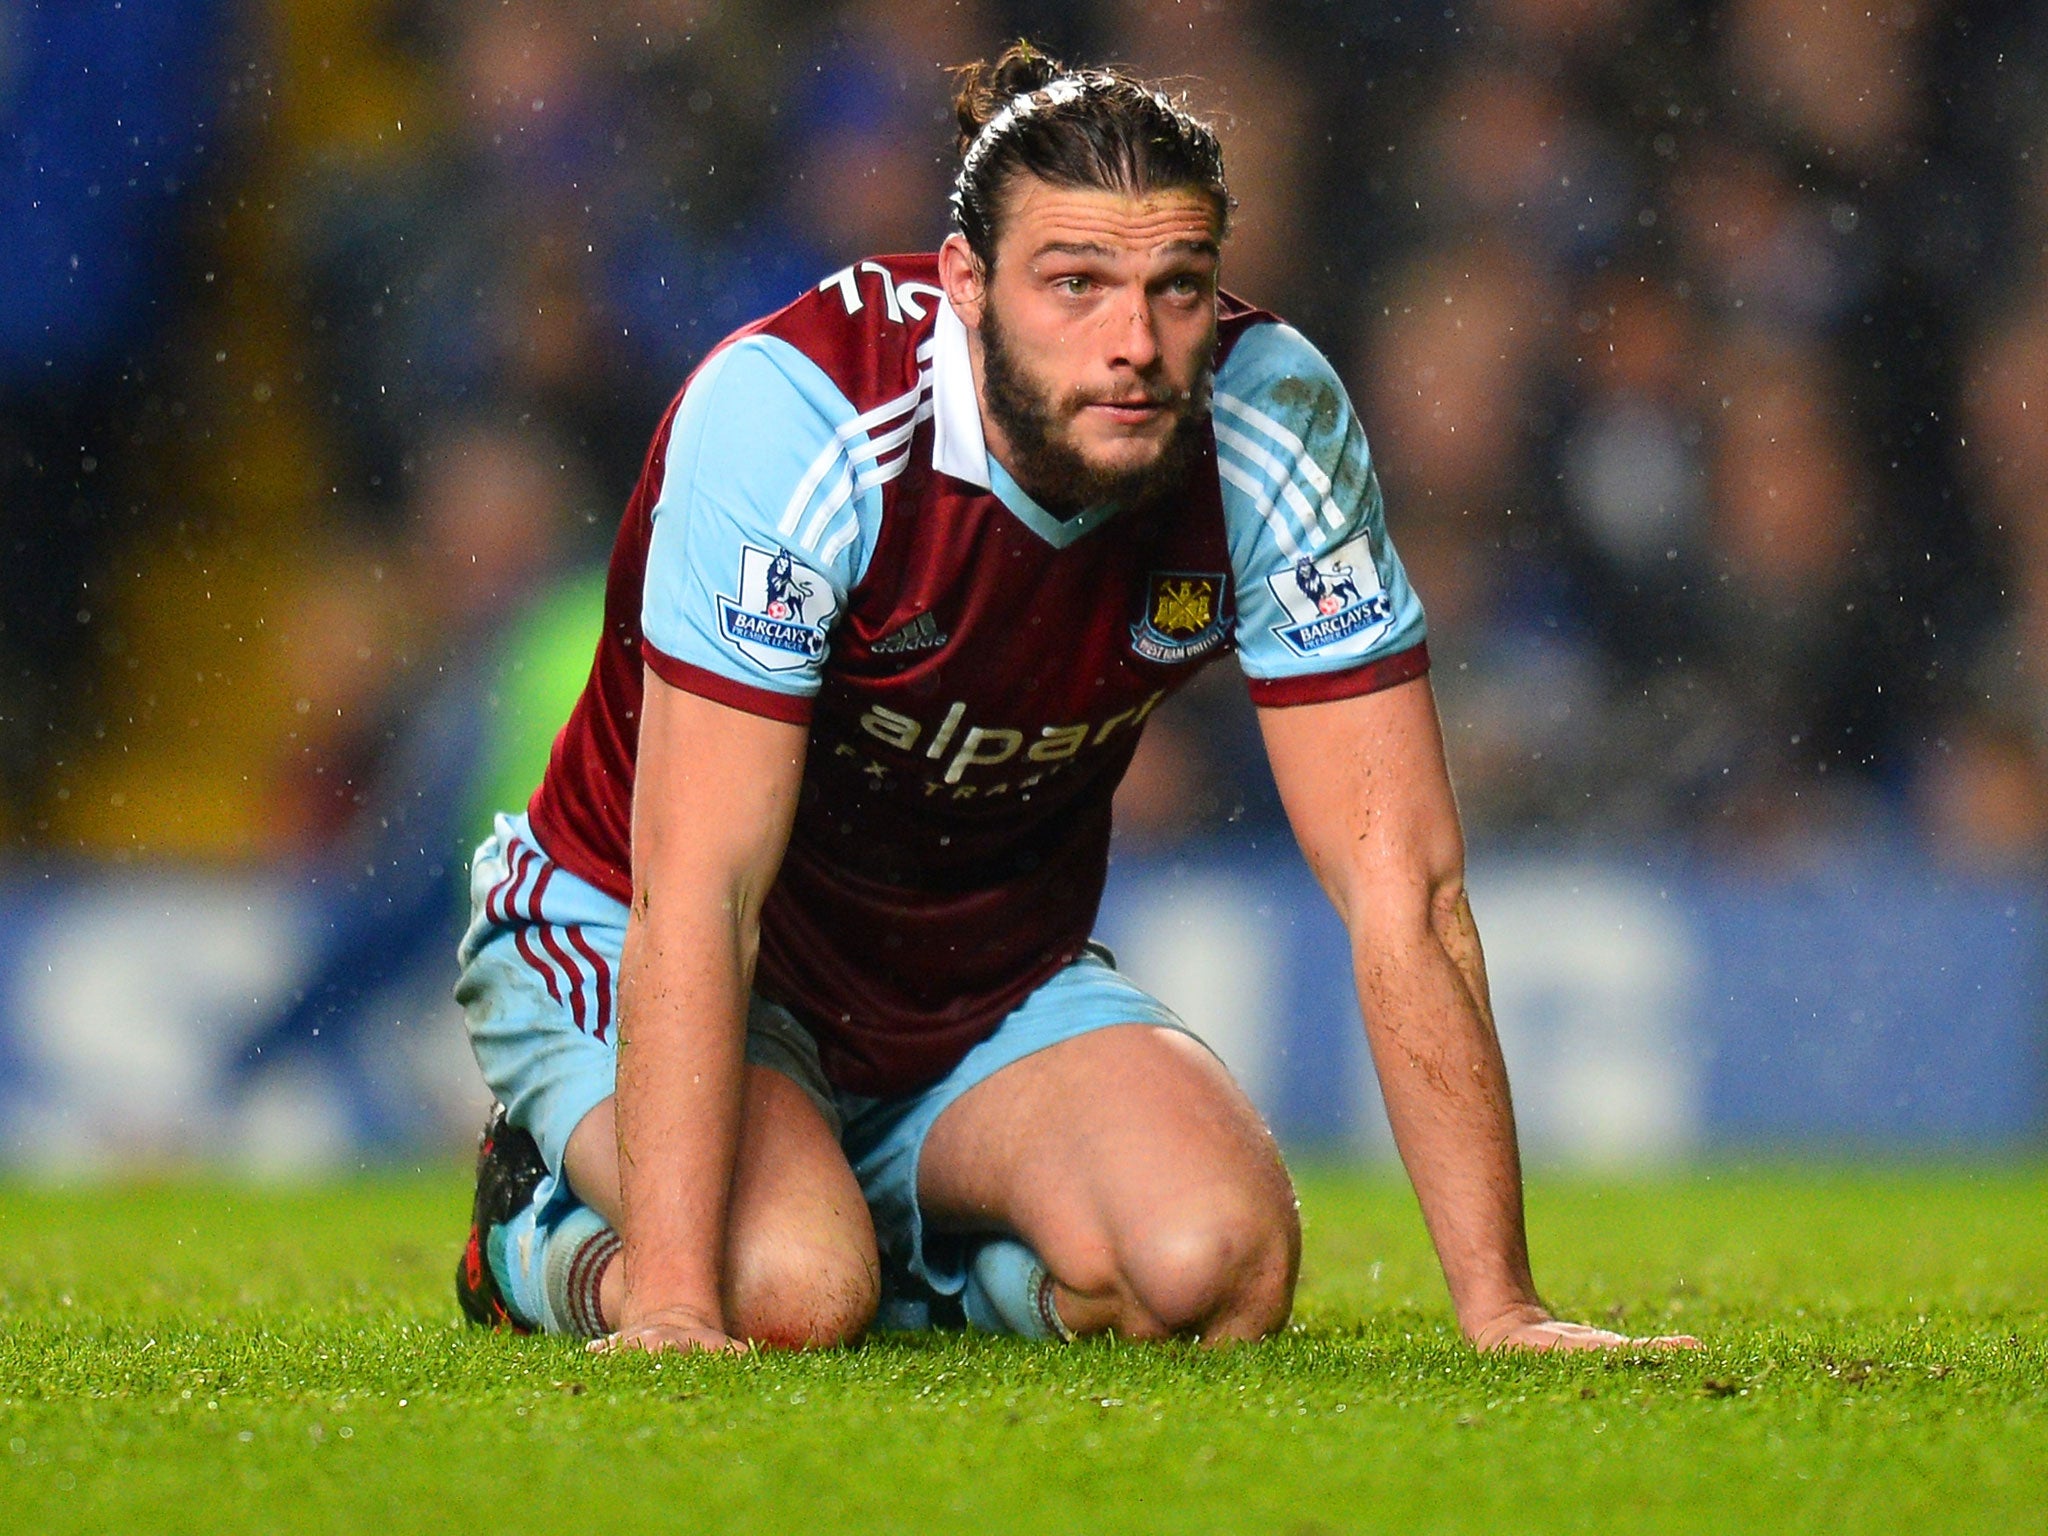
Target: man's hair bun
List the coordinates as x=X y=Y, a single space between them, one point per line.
x=983 y=88
x=1026 y=113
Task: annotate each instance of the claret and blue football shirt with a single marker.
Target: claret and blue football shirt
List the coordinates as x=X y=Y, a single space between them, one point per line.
x=820 y=536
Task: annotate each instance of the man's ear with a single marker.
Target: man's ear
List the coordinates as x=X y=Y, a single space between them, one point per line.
x=961 y=276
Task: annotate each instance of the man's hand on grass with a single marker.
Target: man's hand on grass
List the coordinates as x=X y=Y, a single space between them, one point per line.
x=1532 y=1328
x=674 y=1328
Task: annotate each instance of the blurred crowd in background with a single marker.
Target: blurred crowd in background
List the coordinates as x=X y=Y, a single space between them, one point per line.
x=1703 y=349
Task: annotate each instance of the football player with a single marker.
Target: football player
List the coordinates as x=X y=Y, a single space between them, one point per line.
x=784 y=978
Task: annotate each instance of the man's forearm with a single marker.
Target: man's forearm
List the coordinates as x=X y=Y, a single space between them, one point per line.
x=682 y=1030
x=1440 y=1068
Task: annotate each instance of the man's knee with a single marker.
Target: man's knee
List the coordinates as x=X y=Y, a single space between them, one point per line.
x=802 y=1293
x=1223 y=1270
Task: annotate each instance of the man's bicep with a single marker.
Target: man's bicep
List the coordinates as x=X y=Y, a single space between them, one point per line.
x=714 y=796
x=1365 y=787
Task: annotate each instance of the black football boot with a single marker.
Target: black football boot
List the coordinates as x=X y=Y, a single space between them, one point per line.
x=508 y=1168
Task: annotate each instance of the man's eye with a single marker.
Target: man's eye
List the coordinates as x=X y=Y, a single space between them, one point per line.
x=1073 y=286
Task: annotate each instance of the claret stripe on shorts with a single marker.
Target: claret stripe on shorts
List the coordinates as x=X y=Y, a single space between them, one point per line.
x=601 y=981
x=547 y=976
x=579 y=981
x=504 y=906
x=556 y=953
x=533 y=899
x=515 y=871
x=529 y=910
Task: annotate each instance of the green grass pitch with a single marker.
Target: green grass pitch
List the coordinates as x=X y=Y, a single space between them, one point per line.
x=198 y=1357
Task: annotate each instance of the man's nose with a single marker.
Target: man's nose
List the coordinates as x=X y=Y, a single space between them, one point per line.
x=1135 y=337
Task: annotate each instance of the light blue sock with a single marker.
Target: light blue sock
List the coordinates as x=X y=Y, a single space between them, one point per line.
x=1009 y=1291
x=549 y=1261
x=509 y=1246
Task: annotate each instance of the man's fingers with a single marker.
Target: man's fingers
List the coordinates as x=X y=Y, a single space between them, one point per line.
x=1549 y=1336
x=679 y=1328
x=654 y=1343
x=656 y=1337
x=1546 y=1336
x=1600 y=1338
x=1670 y=1341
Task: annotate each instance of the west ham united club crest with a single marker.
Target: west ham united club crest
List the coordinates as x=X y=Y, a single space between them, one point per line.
x=1332 y=600
x=783 y=613
x=1183 y=616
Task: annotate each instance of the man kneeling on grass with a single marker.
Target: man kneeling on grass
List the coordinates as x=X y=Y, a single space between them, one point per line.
x=784 y=979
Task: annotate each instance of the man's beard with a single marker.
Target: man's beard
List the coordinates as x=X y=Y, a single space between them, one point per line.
x=1039 y=431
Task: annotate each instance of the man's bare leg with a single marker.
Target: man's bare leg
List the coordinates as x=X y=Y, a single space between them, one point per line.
x=1140 y=1175
x=800 y=1264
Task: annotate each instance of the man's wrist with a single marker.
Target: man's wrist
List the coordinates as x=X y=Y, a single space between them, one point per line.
x=1495 y=1285
x=685 y=1313
x=682 y=1289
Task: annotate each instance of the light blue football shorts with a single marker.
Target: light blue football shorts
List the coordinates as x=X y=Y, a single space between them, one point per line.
x=539 y=990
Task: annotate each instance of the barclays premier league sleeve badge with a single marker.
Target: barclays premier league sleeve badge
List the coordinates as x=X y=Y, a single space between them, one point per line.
x=784 y=610
x=1334 y=601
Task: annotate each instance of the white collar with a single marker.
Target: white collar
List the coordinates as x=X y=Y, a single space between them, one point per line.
x=958 y=447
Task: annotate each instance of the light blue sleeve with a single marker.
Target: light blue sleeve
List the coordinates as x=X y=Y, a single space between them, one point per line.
x=767 y=514
x=1319 y=587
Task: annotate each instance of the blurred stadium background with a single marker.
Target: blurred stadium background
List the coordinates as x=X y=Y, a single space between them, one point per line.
x=1703 y=347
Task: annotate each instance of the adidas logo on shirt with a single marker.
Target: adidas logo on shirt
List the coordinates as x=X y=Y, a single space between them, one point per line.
x=920 y=634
